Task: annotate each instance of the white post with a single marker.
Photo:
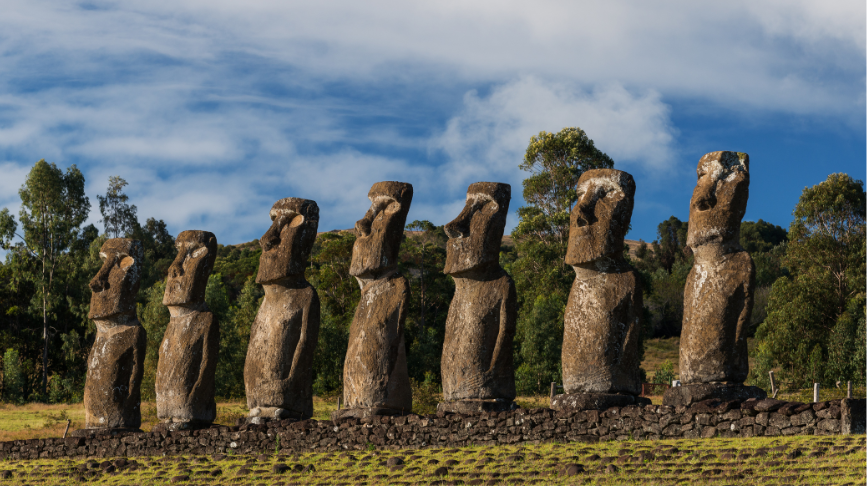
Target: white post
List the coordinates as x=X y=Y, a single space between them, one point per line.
x=773 y=385
x=815 y=392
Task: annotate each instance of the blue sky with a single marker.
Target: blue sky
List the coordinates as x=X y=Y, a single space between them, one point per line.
x=213 y=110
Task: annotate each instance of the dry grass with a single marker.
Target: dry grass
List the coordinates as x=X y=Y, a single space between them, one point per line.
x=836 y=460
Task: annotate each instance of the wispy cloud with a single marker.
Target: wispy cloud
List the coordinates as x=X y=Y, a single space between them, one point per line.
x=213 y=110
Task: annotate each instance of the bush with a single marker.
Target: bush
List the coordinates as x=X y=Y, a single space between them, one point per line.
x=13 y=377
x=664 y=373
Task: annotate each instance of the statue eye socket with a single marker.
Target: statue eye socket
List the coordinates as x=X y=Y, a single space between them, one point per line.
x=126 y=262
x=392 y=207
x=298 y=220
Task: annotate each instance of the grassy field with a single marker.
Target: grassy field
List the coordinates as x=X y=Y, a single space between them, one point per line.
x=825 y=460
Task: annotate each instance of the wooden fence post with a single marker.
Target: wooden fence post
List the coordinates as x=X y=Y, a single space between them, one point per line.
x=553 y=389
x=815 y=392
x=338 y=403
x=848 y=389
x=773 y=385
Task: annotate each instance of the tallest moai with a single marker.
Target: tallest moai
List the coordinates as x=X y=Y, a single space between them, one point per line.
x=718 y=297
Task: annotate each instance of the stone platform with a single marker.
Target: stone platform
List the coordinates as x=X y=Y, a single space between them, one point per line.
x=476 y=406
x=710 y=418
x=595 y=401
x=685 y=395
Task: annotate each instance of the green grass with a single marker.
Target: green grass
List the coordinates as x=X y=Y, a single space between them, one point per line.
x=807 y=460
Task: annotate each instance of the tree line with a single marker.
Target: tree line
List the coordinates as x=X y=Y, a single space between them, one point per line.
x=808 y=318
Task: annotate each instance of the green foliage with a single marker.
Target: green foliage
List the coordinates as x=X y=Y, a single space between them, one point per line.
x=154 y=317
x=13 y=377
x=421 y=260
x=234 y=335
x=338 y=295
x=664 y=373
x=118 y=216
x=159 y=251
x=426 y=394
x=53 y=208
x=761 y=236
x=540 y=334
x=815 y=316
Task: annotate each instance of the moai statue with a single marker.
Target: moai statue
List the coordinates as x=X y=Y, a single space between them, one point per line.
x=602 y=326
x=477 y=366
x=375 y=376
x=185 y=384
x=112 y=392
x=278 y=373
x=718 y=297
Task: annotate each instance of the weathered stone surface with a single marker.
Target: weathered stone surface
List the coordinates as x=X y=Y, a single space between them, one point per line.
x=469 y=407
x=480 y=328
x=375 y=376
x=601 y=328
x=278 y=374
x=594 y=401
x=718 y=297
x=188 y=354
x=682 y=396
x=853 y=416
x=112 y=391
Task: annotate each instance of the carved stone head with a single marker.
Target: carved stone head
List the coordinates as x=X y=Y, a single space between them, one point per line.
x=116 y=284
x=475 y=235
x=287 y=244
x=380 y=231
x=719 y=200
x=188 y=274
x=601 y=215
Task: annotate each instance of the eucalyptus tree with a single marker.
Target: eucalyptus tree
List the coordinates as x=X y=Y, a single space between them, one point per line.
x=53 y=208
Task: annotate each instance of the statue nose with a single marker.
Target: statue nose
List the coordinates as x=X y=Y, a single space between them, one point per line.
x=705 y=197
x=585 y=213
x=99 y=283
x=271 y=238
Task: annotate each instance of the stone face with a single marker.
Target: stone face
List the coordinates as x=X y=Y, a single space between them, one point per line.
x=480 y=328
x=718 y=297
x=185 y=385
x=602 y=322
x=278 y=373
x=375 y=376
x=115 y=365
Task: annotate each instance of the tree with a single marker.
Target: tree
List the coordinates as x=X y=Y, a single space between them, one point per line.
x=761 y=236
x=815 y=324
x=426 y=236
x=542 y=279
x=556 y=162
x=118 y=216
x=53 y=208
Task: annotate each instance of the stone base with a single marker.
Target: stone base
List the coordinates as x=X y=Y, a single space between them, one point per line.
x=852 y=416
x=685 y=395
x=595 y=401
x=174 y=426
x=89 y=433
x=362 y=413
x=274 y=413
x=469 y=407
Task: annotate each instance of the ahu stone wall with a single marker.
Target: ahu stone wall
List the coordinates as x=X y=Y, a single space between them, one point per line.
x=706 y=419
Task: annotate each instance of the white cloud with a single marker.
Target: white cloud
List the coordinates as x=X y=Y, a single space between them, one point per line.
x=214 y=109
x=491 y=134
